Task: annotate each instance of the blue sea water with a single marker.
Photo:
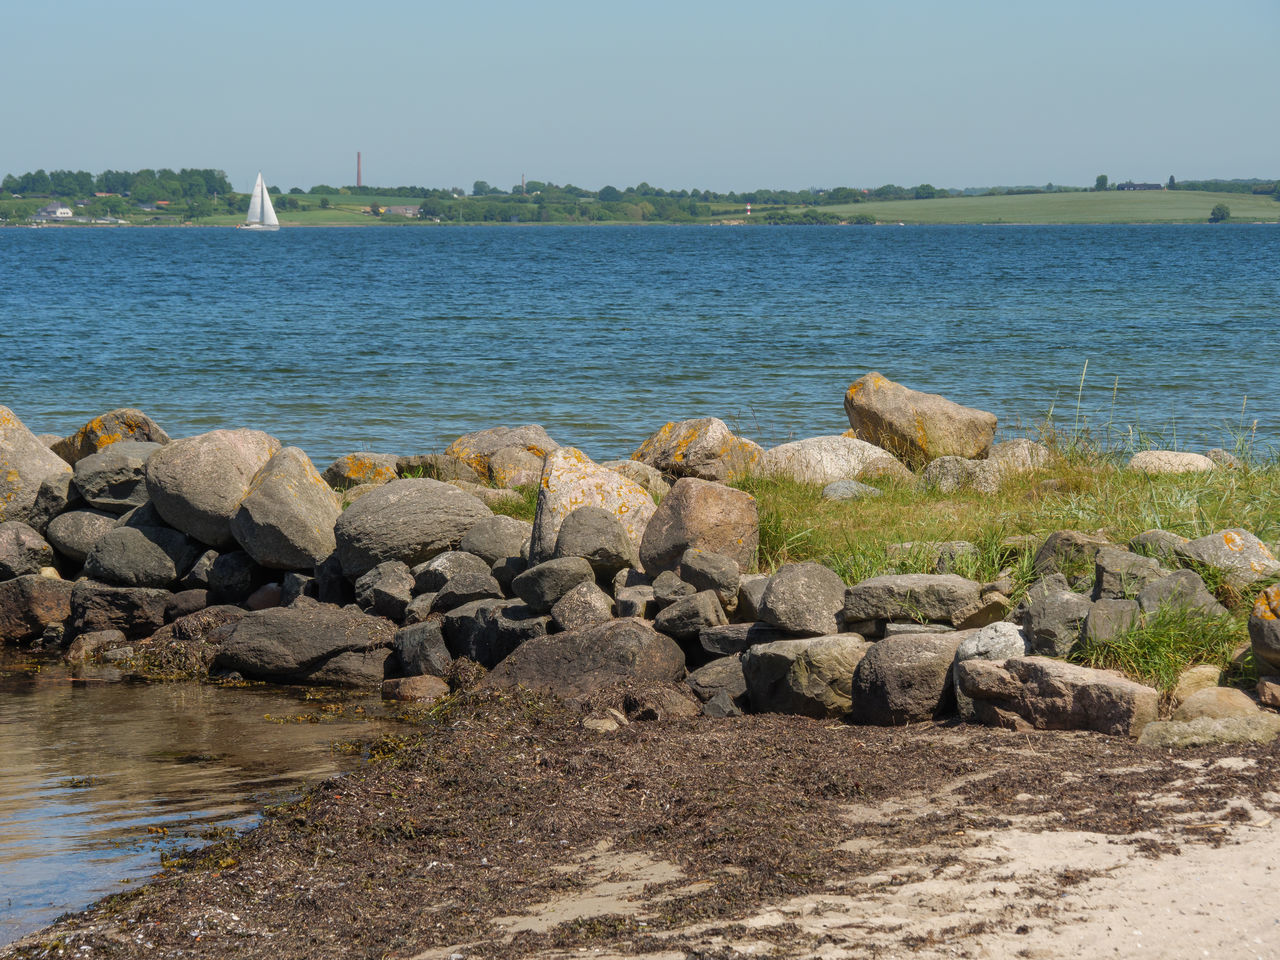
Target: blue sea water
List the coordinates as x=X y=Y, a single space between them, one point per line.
x=400 y=339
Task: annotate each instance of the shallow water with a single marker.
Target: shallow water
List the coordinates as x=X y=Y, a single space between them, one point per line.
x=400 y=339
x=99 y=778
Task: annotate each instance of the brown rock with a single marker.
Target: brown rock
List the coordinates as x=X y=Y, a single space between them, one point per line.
x=704 y=515
x=423 y=688
x=29 y=604
x=704 y=448
x=917 y=427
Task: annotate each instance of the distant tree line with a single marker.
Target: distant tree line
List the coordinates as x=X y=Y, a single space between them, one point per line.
x=142 y=186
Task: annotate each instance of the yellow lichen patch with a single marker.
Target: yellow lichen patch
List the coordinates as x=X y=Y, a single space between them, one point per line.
x=363 y=469
x=1232 y=540
x=1267 y=606
x=650 y=446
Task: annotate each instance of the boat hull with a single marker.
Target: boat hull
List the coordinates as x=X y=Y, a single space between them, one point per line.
x=259 y=226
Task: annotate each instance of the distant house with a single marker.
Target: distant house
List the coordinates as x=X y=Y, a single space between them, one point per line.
x=54 y=211
x=401 y=211
x=1130 y=185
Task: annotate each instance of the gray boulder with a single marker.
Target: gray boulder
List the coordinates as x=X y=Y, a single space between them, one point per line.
x=1264 y=630
x=820 y=460
x=918 y=427
x=406 y=520
x=477 y=448
x=997 y=641
x=636 y=602
x=703 y=570
x=848 y=489
x=668 y=588
x=74 y=533
x=811 y=676
x=431 y=576
x=25 y=463
x=385 y=590
x=286 y=519
x=1242 y=558
x=751 y=588
x=735 y=638
x=122 y=425
x=804 y=599
x=905 y=679
x=496 y=537
x=581 y=662
x=1159 y=544
x=541 y=586
x=197 y=483
x=29 y=604
x=1108 y=619
x=22 y=551
x=1120 y=574
x=689 y=616
x=114 y=479
x=922 y=597
x=1054 y=616
x=705 y=516
x=57 y=494
x=136 y=612
x=598 y=536
x=704 y=449
x=722 y=675
x=309 y=643
x=1216 y=702
x=465 y=588
x=487 y=631
x=951 y=474
x=142 y=555
x=1182 y=590
x=1259 y=728
x=583 y=606
x=421 y=649
x=1169 y=461
x=1068 y=552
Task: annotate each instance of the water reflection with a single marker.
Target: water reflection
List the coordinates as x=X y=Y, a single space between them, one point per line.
x=97 y=776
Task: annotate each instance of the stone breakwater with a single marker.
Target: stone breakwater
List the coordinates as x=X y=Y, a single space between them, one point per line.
x=227 y=554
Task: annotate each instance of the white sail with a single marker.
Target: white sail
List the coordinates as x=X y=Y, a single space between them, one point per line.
x=268 y=211
x=262 y=215
x=255 y=202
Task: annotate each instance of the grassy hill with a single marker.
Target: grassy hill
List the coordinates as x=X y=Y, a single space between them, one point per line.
x=1114 y=206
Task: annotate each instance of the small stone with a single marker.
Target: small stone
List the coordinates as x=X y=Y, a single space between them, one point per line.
x=420 y=688
x=850 y=490
x=1194 y=679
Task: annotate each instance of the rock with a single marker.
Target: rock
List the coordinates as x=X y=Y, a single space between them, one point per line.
x=850 y=490
x=89 y=645
x=423 y=689
x=1224 y=459
x=1169 y=461
x=496 y=537
x=115 y=479
x=636 y=602
x=571 y=481
x=804 y=599
x=751 y=588
x=406 y=520
x=721 y=707
x=1241 y=557
x=29 y=604
x=917 y=427
x=811 y=676
x=385 y=590
x=1264 y=630
x=286 y=519
x=431 y=576
x=358 y=469
x=684 y=619
x=233 y=576
x=512 y=467
x=583 y=606
x=137 y=612
x=1019 y=456
x=264 y=598
x=1159 y=544
x=184 y=603
x=1044 y=694
x=1108 y=619
x=905 y=679
x=197 y=483
x=1216 y=702
x=733 y=638
x=476 y=448
x=703 y=570
x=1183 y=590
x=1054 y=616
x=197 y=576
x=704 y=449
x=115 y=426
x=421 y=649
x=892 y=629
x=722 y=675
x=141 y=556
x=542 y=585
x=57 y=494
x=1194 y=679
x=73 y=534
x=309 y=643
x=352 y=494
x=487 y=631
x=491 y=498
x=648 y=477
x=465 y=588
x=22 y=551
x=1269 y=692
x=436 y=466
x=581 y=662
x=996 y=641
x=922 y=597
x=506 y=570
x=418 y=609
x=598 y=536
x=665 y=702
x=1120 y=574
x=819 y=460
x=668 y=588
x=25 y=463
x=1261 y=728
x=1068 y=552
x=951 y=474
x=705 y=516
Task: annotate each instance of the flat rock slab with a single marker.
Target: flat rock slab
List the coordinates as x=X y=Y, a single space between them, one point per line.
x=1208 y=731
x=1039 y=693
x=918 y=427
x=945 y=598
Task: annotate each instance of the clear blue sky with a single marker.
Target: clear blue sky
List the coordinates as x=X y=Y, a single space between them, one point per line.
x=701 y=93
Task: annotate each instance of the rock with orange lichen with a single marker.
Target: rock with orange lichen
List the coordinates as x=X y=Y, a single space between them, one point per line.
x=513 y=467
x=477 y=449
x=1241 y=557
x=917 y=427
x=1264 y=629
x=360 y=468
x=113 y=426
x=25 y=463
x=286 y=518
x=704 y=449
x=571 y=480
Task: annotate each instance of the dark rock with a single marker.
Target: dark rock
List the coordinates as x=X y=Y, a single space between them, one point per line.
x=135 y=611
x=1068 y=552
x=464 y=588
x=385 y=590
x=421 y=649
x=703 y=515
x=809 y=676
x=295 y=585
x=583 y=606
x=419 y=608
x=233 y=576
x=921 y=597
x=184 y=603
x=599 y=537
x=1110 y=618
x=905 y=680
x=28 y=604
x=197 y=575
x=497 y=537
x=722 y=707
x=332 y=585
x=431 y=576
x=804 y=599
x=114 y=479
x=723 y=675
x=541 y=586
x=1054 y=616
x=74 y=533
x=751 y=588
x=689 y=616
x=1120 y=574
x=636 y=602
x=668 y=588
x=506 y=569
x=487 y=631
x=57 y=494
x=712 y=571
x=1182 y=590
x=1158 y=544
x=23 y=552
x=734 y=638
x=141 y=556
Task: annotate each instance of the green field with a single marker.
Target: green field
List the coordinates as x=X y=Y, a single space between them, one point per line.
x=1113 y=206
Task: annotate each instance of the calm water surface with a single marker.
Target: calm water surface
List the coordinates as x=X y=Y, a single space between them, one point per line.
x=99 y=778
x=401 y=339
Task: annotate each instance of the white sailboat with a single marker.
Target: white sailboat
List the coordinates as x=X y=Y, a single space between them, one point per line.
x=262 y=215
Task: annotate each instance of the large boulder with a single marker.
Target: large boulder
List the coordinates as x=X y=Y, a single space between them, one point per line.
x=922 y=597
x=496 y=538
x=197 y=483
x=30 y=603
x=487 y=631
x=23 y=552
x=570 y=480
x=74 y=533
x=905 y=679
x=1019 y=455
x=918 y=427
x=821 y=460
x=581 y=662
x=477 y=449
x=406 y=520
x=1044 y=694
x=805 y=599
x=1237 y=554
x=703 y=448
x=309 y=643
x=811 y=676
x=145 y=553
x=598 y=536
x=114 y=426
x=952 y=474
x=1264 y=630
x=285 y=521
x=114 y=479
x=706 y=516
x=25 y=463
x=135 y=611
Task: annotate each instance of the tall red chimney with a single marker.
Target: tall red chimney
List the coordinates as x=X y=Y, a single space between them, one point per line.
x=359 y=181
